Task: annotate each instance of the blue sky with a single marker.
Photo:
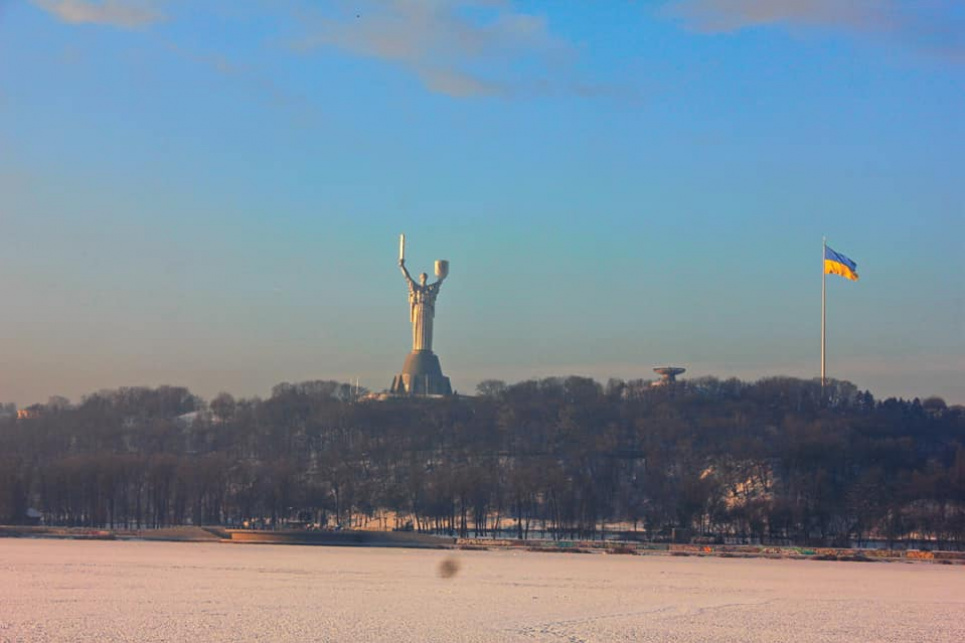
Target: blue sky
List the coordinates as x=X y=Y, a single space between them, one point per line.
x=210 y=194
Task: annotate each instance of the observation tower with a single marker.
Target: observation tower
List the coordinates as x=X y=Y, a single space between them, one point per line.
x=668 y=374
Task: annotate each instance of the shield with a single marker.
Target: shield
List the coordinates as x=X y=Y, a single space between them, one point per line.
x=442 y=268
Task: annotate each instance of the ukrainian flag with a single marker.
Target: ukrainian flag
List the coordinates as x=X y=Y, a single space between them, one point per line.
x=836 y=263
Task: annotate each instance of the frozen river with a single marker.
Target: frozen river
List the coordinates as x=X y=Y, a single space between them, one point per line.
x=55 y=590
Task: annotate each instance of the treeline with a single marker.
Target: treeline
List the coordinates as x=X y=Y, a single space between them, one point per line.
x=776 y=461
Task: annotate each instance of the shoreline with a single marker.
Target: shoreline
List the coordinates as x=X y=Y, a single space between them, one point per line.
x=189 y=534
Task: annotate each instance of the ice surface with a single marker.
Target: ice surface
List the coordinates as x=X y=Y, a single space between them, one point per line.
x=55 y=590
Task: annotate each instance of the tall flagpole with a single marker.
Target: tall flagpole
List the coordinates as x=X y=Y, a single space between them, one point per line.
x=824 y=315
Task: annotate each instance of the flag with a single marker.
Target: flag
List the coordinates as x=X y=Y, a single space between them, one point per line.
x=836 y=263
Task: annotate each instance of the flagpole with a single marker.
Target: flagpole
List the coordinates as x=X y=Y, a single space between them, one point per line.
x=824 y=312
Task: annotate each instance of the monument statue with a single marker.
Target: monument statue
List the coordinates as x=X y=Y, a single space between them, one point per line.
x=422 y=306
x=422 y=373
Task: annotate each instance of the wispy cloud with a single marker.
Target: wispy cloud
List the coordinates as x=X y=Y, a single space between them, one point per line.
x=115 y=13
x=457 y=47
x=214 y=61
x=136 y=13
x=733 y=15
x=258 y=82
x=937 y=26
x=457 y=84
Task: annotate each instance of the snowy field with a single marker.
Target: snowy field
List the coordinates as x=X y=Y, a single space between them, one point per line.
x=56 y=590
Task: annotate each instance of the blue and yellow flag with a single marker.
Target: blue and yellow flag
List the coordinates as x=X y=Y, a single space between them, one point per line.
x=836 y=263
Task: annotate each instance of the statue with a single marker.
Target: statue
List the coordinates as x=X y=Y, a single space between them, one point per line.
x=422 y=305
x=422 y=373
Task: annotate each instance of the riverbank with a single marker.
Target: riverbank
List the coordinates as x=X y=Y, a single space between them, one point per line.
x=239 y=536
x=720 y=551
x=426 y=541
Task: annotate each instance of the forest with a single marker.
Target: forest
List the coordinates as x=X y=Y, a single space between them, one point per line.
x=777 y=461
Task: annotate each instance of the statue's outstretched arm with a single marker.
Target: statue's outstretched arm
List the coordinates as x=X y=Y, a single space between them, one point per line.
x=405 y=272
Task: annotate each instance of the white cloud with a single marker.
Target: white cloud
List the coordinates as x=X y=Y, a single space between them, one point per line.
x=115 y=13
x=456 y=47
x=936 y=26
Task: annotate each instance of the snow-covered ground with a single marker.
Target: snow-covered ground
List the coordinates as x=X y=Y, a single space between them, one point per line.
x=56 y=590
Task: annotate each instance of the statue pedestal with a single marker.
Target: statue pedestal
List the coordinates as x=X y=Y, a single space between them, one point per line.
x=421 y=375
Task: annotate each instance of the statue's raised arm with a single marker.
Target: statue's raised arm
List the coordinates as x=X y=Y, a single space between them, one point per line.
x=405 y=273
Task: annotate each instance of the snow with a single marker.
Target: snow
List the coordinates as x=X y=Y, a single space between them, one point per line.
x=57 y=590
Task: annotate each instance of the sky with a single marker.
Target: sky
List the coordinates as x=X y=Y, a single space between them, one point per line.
x=209 y=193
